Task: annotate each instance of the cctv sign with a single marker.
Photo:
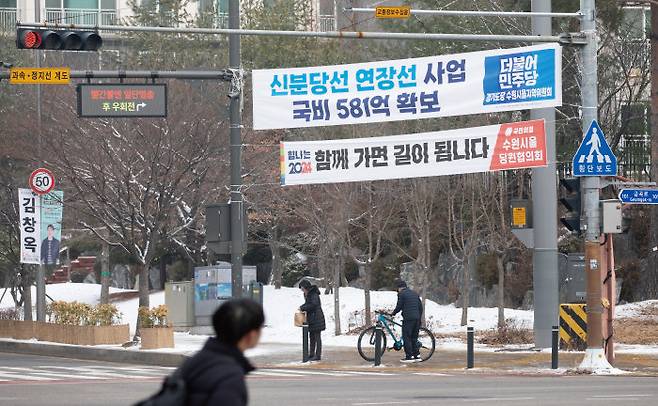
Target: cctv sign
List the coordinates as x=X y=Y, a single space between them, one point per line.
x=122 y=100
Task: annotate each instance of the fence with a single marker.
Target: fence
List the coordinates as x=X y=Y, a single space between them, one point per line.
x=7 y=19
x=81 y=16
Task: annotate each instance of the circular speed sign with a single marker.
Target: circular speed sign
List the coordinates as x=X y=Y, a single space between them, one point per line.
x=42 y=181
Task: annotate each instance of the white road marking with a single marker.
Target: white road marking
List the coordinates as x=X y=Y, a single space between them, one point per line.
x=25 y=377
x=272 y=373
x=366 y=373
x=498 y=399
x=430 y=374
x=406 y=402
x=622 y=396
x=50 y=374
x=311 y=372
x=101 y=373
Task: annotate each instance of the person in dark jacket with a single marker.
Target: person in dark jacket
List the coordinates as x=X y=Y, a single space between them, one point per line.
x=314 y=318
x=412 y=309
x=216 y=374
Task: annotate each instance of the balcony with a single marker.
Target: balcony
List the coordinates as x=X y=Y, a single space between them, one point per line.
x=7 y=19
x=81 y=16
x=326 y=22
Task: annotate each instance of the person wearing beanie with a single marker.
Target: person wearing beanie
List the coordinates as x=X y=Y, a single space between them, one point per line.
x=314 y=318
x=410 y=305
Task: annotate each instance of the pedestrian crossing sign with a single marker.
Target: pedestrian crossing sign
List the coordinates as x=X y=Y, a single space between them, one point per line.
x=594 y=156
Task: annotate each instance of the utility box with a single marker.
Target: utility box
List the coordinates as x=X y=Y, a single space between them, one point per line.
x=213 y=286
x=179 y=298
x=611 y=213
x=254 y=291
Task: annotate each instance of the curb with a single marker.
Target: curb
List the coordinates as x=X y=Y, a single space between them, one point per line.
x=94 y=354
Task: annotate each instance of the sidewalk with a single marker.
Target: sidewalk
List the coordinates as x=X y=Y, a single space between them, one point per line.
x=276 y=355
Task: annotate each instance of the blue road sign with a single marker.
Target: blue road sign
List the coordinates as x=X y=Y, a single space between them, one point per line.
x=639 y=196
x=594 y=156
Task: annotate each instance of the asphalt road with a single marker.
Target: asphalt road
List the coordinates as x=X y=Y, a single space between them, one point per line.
x=35 y=380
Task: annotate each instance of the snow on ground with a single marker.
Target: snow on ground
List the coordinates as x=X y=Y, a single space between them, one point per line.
x=636 y=309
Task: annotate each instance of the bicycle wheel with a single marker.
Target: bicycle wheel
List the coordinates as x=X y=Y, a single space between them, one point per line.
x=366 y=344
x=426 y=343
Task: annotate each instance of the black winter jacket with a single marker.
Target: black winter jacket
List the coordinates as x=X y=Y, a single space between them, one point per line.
x=215 y=376
x=410 y=304
x=313 y=308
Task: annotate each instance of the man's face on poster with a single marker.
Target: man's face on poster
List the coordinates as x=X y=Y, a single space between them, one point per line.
x=51 y=232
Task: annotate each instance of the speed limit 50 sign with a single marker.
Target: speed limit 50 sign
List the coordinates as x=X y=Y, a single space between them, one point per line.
x=42 y=181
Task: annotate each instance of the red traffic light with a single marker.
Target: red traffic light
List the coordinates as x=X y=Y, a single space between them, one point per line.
x=29 y=39
x=63 y=40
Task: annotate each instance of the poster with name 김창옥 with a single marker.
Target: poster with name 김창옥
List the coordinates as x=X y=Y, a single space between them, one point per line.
x=407 y=89
x=467 y=150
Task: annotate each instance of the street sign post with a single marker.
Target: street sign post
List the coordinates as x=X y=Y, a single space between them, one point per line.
x=639 y=196
x=594 y=156
x=42 y=181
x=122 y=100
x=40 y=76
x=393 y=12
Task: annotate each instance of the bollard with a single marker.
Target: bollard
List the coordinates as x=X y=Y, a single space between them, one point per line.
x=305 y=343
x=469 y=347
x=378 y=344
x=554 y=347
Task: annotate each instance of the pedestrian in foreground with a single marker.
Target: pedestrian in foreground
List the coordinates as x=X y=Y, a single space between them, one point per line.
x=314 y=318
x=216 y=375
x=412 y=309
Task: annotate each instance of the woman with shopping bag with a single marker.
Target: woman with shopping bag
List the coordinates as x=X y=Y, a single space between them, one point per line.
x=314 y=318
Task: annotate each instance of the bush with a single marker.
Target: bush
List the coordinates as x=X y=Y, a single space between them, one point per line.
x=11 y=313
x=81 y=314
x=155 y=317
x=512 y=332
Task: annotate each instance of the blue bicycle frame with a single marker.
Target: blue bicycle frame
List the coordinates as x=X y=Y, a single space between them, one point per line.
x=384 y=321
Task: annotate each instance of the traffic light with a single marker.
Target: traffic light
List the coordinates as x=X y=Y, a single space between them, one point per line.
x=63 y=40
x=572 y=202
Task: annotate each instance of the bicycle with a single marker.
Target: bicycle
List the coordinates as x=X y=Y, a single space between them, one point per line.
x=366 y=343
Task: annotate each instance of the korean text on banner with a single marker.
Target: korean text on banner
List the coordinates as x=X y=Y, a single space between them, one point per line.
x=406 y=89
x=29 y=220
x=467 y=150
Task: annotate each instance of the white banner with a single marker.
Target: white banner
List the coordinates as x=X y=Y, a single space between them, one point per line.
x=466 y=150
x=407 y=89
x=29 y=211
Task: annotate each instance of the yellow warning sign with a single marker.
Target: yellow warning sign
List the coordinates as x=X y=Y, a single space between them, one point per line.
x=393 y=12
x=40 y=76
x=519 y=217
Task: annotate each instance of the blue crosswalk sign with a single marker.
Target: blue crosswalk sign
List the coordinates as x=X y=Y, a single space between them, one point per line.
x=594 y=156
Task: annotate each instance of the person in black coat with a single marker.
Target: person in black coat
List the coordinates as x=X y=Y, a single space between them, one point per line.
x=412 y=309
x=216 y=374
x=314 y=318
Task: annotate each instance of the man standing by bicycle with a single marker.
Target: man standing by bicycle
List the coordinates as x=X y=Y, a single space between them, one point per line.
x=412 y=309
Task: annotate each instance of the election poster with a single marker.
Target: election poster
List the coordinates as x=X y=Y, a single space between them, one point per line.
x=466 y=150
x=51 y=227
x=406 y=89
x=29 y=212
x=41 y=226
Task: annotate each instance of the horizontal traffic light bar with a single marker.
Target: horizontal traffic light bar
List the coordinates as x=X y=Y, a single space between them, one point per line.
x=224 y=75
x=63 y=40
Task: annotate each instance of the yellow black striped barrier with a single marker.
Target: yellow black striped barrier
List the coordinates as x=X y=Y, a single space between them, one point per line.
x=573 y=326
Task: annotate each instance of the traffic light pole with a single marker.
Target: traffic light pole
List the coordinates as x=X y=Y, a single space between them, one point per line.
x=595 y=358
x=237 y=237
x=544 y=203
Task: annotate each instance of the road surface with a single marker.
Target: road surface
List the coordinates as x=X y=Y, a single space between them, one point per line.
x=35 y=380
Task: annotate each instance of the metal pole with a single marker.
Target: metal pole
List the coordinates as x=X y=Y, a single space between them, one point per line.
x=237 y=236
x=41 y=273
x=554 y=347
x=305 y=343
x=563 y=38
x=594 y=356
x=470 y=335
x=225 y=75
x=378 y=344
x=544 y=214
x=469 y=13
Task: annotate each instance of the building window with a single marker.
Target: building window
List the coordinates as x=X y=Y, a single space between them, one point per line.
x=636 y=22
x=8 y=3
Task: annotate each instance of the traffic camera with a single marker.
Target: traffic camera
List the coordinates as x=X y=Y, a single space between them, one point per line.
x=63 y=40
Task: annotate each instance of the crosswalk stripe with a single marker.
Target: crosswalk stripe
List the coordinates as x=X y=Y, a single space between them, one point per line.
x=101 y=373
x=50 y=374
x=272 y=373
x=367 y=373
x=25 y=377
x=328 y=373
